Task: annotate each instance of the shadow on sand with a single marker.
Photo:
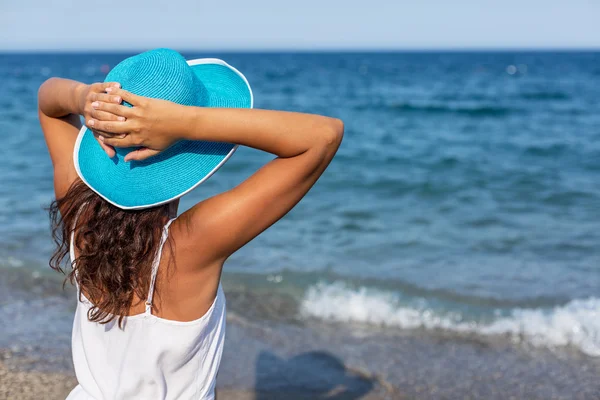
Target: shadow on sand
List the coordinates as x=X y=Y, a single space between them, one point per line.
x=310 y=375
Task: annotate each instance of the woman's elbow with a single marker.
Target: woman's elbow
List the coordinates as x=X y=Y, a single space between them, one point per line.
x=334 y=133
x=46 y=87
x=45 y=96
x=42 y=91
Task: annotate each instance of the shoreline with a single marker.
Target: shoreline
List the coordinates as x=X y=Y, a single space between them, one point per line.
x=272 y=353
x=568 y=326
x=272 y=360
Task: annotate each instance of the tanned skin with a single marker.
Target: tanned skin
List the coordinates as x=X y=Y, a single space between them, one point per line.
x=208 y=233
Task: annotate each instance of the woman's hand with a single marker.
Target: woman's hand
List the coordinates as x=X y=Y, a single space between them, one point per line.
x=88 y=96
x=151 y=124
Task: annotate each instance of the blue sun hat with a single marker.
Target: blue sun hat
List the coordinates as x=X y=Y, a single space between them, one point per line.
x=163 y=74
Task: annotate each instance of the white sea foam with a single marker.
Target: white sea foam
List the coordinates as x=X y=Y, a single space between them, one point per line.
x=576 y=323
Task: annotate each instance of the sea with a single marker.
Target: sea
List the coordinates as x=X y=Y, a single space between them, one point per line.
x=463 y=203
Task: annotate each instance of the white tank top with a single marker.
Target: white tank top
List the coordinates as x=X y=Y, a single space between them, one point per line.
x=151 y=357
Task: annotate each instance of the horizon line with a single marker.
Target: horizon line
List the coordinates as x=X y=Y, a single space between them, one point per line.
x=312 y=50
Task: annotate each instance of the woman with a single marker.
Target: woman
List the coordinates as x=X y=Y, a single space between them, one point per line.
x=150 y=315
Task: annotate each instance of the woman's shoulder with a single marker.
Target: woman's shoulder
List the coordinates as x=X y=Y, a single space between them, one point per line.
x=191 y=243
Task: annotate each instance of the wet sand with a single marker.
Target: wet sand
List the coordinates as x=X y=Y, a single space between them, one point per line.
x=33 y=385
x=21 y=385
x=266 y=361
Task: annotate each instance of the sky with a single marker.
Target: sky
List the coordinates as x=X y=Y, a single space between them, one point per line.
x=298 y=25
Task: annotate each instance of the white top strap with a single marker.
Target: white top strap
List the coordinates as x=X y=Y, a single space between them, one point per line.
x=72 y=245
x=165 y=235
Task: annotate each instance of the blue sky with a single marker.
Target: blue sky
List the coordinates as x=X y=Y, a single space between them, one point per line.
x=306 y=24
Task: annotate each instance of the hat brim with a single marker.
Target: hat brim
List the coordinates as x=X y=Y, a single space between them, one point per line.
x=177 y=170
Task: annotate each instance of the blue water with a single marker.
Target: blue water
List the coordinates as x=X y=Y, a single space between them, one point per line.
x=465 y=195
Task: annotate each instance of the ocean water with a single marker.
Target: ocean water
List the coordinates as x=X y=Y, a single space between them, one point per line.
x=465 y=197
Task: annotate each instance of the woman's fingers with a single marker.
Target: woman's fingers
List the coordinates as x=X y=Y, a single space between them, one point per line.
x=107 y=98
x=141 y=154
x=112 y=127
x=106 y=116
x=101 y=87
x=135 y=155
x=109 y=150
x=116 y=109
x=124 y=141
x=111 y=84
x=131 y=98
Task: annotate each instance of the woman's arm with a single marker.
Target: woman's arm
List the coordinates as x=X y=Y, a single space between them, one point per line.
x=59 y=97
x=303 y=143
x=59 y=103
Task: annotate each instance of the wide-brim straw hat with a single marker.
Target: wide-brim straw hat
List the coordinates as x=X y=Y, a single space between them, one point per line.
x=163 y=74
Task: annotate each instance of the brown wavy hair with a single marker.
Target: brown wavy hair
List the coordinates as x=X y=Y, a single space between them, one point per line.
x=115 y=249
